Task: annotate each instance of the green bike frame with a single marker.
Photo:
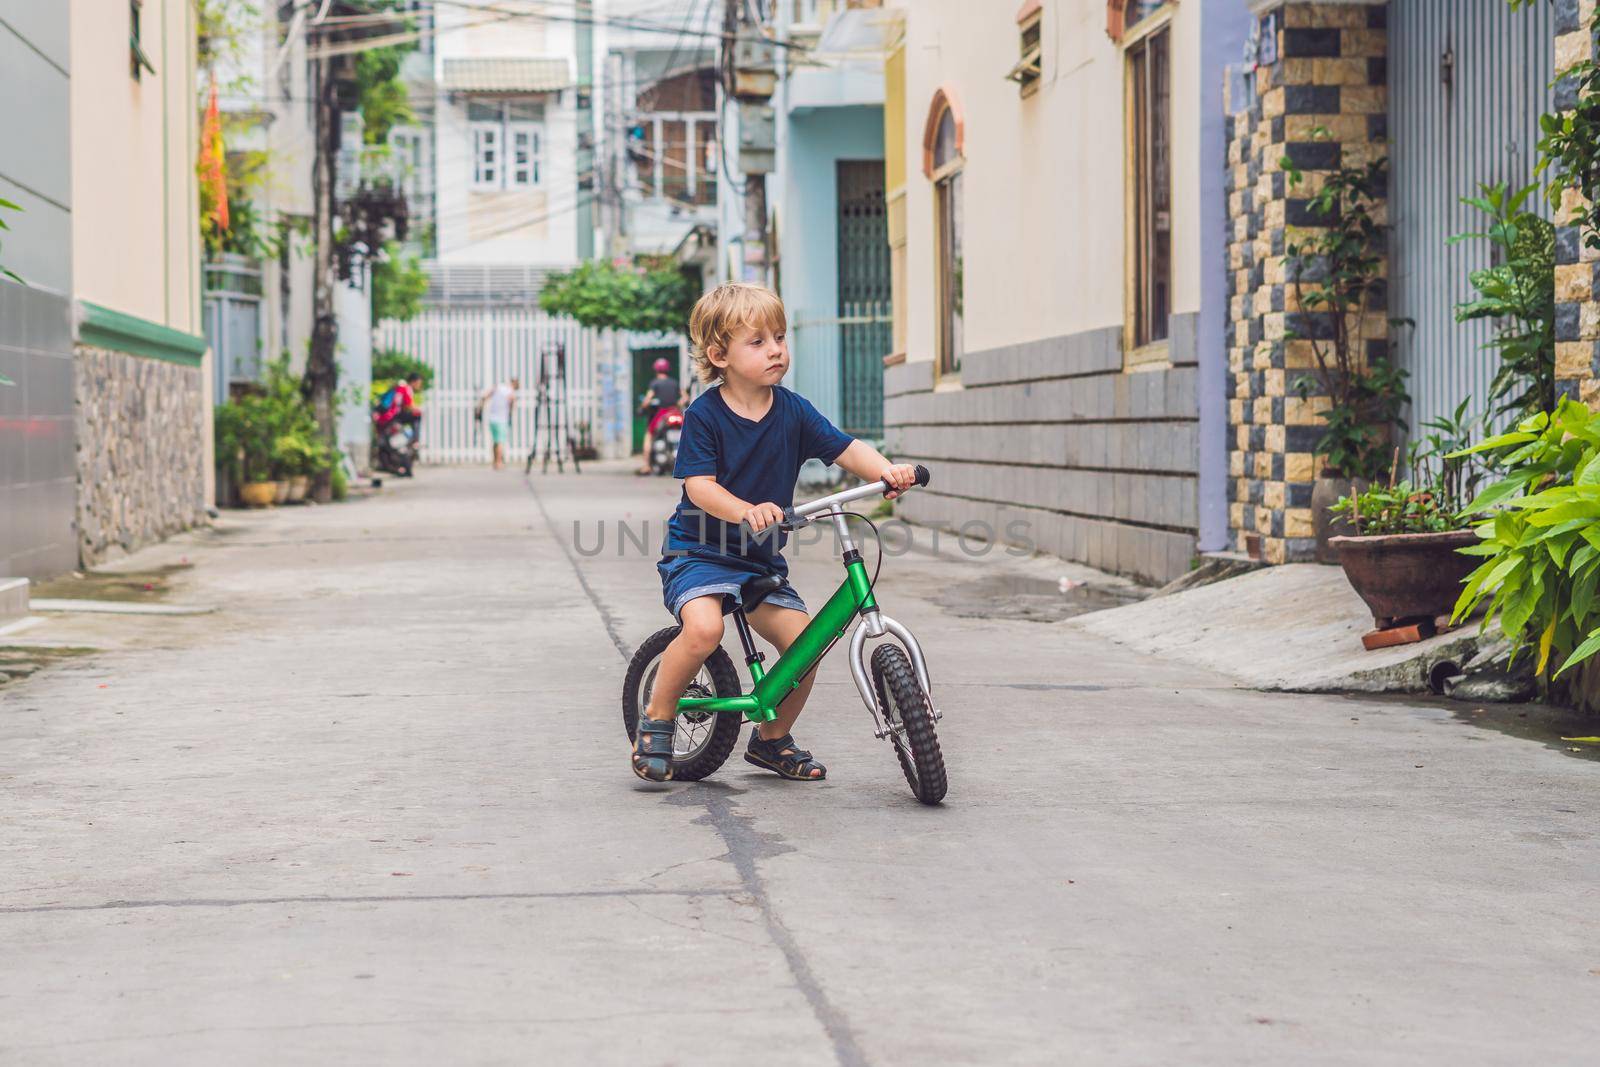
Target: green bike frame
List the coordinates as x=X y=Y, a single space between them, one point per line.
x=771 y=687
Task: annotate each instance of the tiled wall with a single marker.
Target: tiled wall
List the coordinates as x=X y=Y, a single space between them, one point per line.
x=1329 y=71
x=38 y=479
x=1577 y=281
x=1098 y=465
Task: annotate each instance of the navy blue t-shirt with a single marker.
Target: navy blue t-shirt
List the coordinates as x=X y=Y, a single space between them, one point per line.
x=756 y=461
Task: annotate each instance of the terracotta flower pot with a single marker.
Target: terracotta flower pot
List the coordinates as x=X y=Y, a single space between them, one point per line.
x=1407 y=576
x=299 y=485
x=258 y=494
x=282 y=494
x=1325 y=492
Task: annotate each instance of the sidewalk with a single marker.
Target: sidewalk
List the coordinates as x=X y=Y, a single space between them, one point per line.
x=376 y=808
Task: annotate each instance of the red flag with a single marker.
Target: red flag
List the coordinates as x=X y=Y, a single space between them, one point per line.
x=213 y=166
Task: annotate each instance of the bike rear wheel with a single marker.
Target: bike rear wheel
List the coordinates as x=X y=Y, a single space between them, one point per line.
x=704 y=739
x=908 y=713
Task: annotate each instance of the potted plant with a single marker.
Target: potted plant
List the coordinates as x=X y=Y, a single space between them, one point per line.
x=1335 y=278
x=245 y=435
x=1403 y=557
x=291 y=454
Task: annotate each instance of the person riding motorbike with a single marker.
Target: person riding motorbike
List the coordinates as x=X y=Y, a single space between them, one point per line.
x=399 y=407
x=664 y=395
x=397 y=413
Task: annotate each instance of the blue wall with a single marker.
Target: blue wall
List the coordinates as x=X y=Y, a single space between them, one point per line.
x=808 y=235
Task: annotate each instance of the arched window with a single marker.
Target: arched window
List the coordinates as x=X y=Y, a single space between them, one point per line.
x=943 y=155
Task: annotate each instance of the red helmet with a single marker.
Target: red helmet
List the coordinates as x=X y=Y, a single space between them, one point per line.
x=662 y=366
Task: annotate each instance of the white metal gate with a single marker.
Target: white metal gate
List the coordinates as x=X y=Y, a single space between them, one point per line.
x=470 y=349
x=1468 y=80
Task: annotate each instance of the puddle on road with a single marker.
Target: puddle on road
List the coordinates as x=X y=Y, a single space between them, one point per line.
x=134 y=587
x=1536 y=722
x=19 y=661
x=1015 y=596
x=1543 y=723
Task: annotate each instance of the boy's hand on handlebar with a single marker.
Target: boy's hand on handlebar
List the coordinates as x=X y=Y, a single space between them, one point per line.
x=900 y=477
x=759 y=516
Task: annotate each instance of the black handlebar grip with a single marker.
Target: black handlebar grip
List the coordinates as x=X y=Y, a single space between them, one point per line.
x=922 y=475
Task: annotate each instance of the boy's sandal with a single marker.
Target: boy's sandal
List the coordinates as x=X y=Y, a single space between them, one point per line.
x=652 y=749
x=784 y=759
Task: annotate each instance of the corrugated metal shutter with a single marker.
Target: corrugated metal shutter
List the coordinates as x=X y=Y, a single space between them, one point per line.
x=1468 y=80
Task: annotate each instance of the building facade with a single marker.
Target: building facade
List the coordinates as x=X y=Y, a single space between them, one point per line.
x=142 y=373
x=1450 y=94
x=829 y=214
x=1053 y=251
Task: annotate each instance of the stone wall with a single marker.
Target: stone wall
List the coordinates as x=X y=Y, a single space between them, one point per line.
x=1329 y=71
x=141 y=451
x=1097 y=465
x=1577 y=281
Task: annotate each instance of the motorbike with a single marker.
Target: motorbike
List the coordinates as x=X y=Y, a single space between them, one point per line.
x=664 y=446
x=394 y=449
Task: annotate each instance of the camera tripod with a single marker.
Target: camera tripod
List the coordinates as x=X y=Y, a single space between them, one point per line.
x=551 y=415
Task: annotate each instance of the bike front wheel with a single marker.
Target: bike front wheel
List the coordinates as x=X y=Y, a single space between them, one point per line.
x=908 y=713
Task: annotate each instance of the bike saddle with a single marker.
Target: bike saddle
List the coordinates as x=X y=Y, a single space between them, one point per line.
x=755 y=590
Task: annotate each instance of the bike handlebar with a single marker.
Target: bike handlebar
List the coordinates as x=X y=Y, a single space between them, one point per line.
x=795 y=517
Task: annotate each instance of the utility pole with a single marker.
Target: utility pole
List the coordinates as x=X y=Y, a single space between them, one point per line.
x=750 y=75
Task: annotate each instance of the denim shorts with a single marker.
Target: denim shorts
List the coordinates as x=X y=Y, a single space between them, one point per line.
x=685 y=577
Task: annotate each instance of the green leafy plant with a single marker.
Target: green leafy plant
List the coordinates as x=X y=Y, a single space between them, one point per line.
x=1395 y=509
x=1336 y=271
x=299 y=453
x=1442 y=478
x=390 y=365
x=382 y=94
x=650 y=296
x=398 y=285
x=1518 y=294
x=1539 y=533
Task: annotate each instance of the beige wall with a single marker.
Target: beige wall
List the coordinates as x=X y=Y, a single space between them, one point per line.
x=1043 y=180
x=136 y=243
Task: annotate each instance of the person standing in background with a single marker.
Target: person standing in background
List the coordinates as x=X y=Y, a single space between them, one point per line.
x=497 y=404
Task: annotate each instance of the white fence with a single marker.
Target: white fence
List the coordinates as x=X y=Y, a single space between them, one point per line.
x=470 y=349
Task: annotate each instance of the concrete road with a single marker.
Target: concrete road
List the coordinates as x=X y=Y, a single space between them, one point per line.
x=377 y=810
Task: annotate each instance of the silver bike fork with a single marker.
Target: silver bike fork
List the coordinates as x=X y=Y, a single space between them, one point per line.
x=876 y=624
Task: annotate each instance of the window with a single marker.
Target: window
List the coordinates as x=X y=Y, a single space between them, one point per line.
x=1122 y=16
x=138 y=61
x=1150 y=195
x=1027 y=71
x=507 y=144
x=942 y=144
x=524 y=154
x=409 y=147
x=486 y=155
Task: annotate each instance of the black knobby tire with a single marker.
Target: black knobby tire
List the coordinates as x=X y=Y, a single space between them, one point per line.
x=708 y=740
x=904 y=703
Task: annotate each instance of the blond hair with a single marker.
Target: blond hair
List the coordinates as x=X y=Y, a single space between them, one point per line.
x=725 y=309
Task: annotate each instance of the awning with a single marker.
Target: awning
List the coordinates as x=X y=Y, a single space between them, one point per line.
x=506 y=74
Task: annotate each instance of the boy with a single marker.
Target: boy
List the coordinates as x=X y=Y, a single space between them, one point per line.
x=740 y=452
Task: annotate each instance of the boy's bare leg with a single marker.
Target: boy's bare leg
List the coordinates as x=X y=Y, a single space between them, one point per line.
x=779 y=627
x=701 y=619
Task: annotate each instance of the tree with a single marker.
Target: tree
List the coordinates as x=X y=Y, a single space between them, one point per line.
x=398 y=285
x=649 y=296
